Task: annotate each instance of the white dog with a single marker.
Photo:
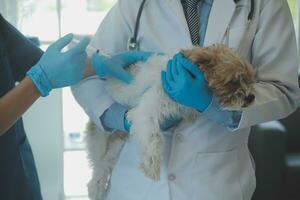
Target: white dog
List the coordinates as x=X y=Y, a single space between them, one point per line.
x=151 y=106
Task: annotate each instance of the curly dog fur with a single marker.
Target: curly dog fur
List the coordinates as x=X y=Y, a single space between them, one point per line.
x=229 y=77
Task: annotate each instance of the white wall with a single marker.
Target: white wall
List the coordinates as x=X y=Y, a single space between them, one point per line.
x=43 y=125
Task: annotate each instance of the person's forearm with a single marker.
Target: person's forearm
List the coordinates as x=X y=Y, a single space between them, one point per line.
x=16 y=102
x=89 y=71
x=230 y=119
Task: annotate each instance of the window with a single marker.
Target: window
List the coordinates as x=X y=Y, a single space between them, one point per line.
x=295 y=10
x=294 y=6
x=88 y=14
x=48 y=20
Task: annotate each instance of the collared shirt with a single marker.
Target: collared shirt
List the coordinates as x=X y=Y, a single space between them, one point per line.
x=204 y=7
x=113 y=117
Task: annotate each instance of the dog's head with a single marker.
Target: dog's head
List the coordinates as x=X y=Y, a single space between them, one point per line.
x=228 y=76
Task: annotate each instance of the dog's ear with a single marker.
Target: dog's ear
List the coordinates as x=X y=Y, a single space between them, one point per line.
x=200 y=56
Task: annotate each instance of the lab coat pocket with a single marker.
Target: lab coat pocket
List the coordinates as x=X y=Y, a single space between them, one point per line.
x=217 y=176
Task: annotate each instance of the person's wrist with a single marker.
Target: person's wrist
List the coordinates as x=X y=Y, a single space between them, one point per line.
x=97 y=65
x=40 y=80
x=204 y=103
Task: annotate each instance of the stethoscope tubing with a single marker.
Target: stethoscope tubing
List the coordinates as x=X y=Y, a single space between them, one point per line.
x=133 y=43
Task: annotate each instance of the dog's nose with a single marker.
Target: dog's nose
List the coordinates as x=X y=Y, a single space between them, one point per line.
x=248 y=100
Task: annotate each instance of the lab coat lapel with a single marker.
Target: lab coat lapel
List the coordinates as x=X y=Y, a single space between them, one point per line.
x=176 y=8
x=219 y=19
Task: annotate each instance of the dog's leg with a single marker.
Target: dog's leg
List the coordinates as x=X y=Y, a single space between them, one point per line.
x=96 y=144
x=103 y=152
x=145 y=126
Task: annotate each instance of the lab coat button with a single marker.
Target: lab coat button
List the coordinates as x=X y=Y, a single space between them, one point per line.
x=178 y=137
x=172 y=177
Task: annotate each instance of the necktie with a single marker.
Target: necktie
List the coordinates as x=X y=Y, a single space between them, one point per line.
x=192 y=18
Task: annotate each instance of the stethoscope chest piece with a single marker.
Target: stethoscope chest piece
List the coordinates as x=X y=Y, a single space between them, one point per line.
x=132 y=44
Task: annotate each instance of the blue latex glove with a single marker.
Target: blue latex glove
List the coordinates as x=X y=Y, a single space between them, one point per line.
x=114 y=66
x=58 y=69
x=184 y=83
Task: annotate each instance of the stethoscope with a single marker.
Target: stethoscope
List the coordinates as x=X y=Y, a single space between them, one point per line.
x=133 y=44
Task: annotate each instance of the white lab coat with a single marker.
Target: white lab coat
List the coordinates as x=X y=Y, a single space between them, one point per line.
x=202 y=160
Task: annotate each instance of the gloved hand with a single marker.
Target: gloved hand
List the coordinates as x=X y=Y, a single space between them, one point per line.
x=114 y=66
x=184 y=83
x=58 y=69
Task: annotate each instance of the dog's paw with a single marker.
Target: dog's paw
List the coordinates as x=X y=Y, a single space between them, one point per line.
x=94 y=191
x=150 y=165
x=97 y=189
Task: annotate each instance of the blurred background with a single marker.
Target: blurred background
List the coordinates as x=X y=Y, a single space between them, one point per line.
x=55 y=125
